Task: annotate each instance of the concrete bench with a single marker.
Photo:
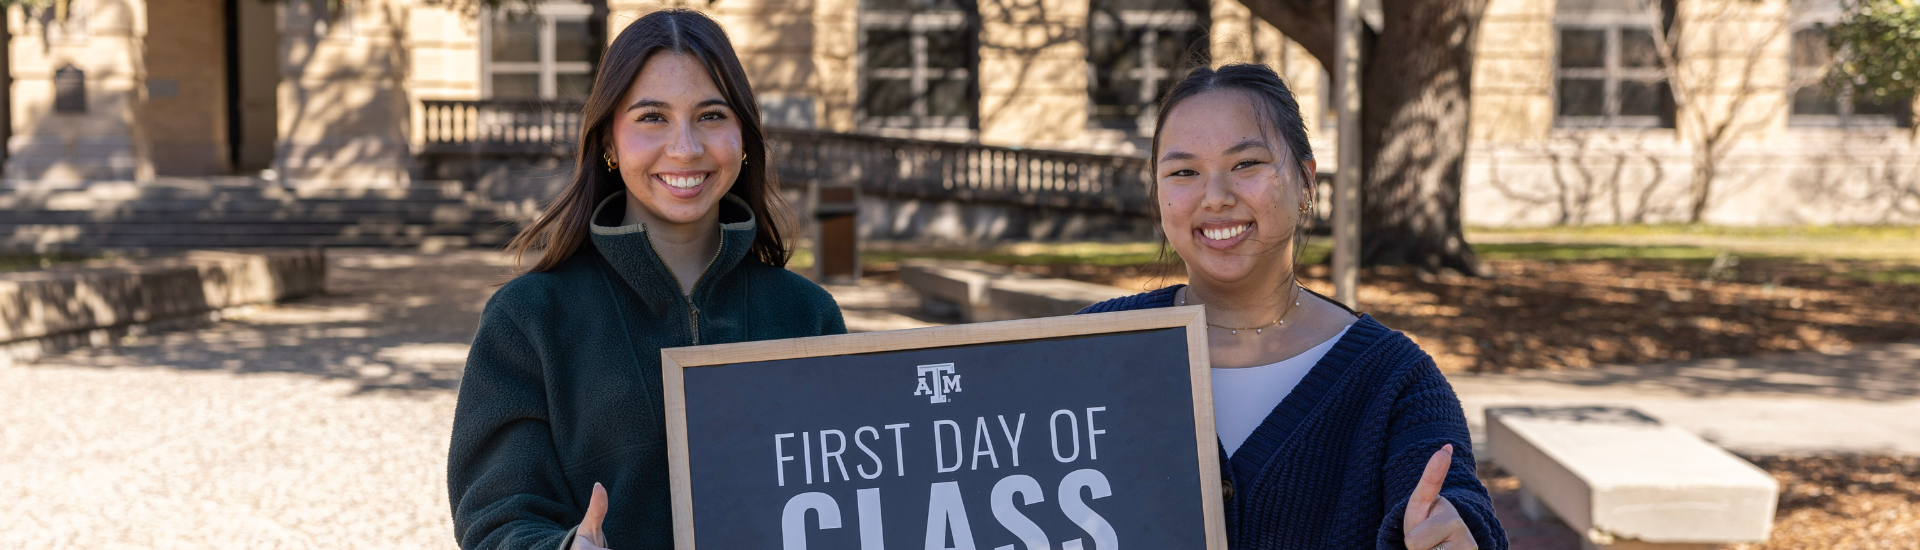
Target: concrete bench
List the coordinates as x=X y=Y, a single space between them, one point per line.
x=978 y=292
x=1626 y=481
x=51 y=310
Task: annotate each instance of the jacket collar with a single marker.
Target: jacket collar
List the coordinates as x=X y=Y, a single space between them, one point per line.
x=630 y=252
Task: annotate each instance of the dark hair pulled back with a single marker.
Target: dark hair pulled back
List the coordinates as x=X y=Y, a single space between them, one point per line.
x=1278 y=111
x=1273 y=104
x=562 y=227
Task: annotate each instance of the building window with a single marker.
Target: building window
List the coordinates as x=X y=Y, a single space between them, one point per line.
x=917 y=64
x=1607 y=70
x=1819 y=100
x=1136 y=50
x=547 y=54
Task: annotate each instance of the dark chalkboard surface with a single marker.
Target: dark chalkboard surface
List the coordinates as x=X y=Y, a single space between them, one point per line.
x=1087 y=432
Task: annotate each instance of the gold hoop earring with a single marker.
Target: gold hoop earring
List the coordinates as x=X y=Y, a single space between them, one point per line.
x=611 y=165
x=743 y=158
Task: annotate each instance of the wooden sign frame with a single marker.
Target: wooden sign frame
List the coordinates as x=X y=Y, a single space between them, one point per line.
x=674 y=361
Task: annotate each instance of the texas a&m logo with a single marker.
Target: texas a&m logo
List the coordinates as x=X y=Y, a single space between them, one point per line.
x=938 y=381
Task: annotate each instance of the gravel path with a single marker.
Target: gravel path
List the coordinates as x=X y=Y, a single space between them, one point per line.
x=321 y=423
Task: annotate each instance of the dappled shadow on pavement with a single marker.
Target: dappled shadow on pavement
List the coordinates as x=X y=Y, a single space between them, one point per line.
x=391 y=321
x=1876 y=372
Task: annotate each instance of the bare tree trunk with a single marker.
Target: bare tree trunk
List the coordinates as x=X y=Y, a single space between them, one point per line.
x=1413 y=135
x=1415 y=92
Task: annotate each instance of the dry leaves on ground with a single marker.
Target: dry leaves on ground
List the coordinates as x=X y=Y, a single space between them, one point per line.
x=1536 y=314
x=1827 y=502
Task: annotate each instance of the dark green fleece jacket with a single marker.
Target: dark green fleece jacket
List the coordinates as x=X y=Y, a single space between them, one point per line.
x=562 y=386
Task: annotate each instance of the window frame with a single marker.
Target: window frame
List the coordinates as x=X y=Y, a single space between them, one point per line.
x=917 y=24
x=545 y=67
x=1799 y=77
x=1611 y=74
x=1149 y=72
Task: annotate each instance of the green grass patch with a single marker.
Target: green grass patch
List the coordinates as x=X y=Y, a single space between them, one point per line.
x=1100 y=254
x=802 y=259
x=1105 y=254
x=1845 y=232
x=1900 y=277
x=22 y=261
x=1572 y=252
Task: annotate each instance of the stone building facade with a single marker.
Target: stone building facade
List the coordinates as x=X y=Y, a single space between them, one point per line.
x=1574 y=119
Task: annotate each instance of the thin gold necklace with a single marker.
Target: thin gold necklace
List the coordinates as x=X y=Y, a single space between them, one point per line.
x=1256 y=329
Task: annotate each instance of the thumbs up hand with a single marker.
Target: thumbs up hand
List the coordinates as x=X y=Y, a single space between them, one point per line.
x=589 y=536
x=1431 y=522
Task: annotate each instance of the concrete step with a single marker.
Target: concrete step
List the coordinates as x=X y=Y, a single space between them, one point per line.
x=978 y=292
x=438 y=214
x=242 y=205
x=89 y=243
x=183 y=215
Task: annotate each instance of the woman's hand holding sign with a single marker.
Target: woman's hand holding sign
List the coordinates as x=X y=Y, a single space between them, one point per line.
x=588 y=535
x=1431 y=522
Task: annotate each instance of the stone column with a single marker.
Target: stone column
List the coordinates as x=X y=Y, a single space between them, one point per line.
x=185 y=112
x=1033 y=72
x=104 y=41
x=836 y=61
x=344 y=118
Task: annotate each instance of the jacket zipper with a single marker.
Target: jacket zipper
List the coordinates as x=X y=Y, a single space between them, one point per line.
x=693 y=311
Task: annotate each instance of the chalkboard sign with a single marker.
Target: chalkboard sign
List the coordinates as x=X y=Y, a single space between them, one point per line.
x=1086 y=432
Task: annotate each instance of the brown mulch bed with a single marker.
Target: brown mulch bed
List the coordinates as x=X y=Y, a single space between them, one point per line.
x=1826 y=502
x=1576 y=314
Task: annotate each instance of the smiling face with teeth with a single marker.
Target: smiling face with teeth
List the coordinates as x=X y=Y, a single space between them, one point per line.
x=1229 y=192
x=678 y=145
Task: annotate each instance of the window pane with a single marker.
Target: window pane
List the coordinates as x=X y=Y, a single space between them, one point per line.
x=1637 y=49
x=516 y=40
x=516 y=86
x=1815 y=100
x=889 y=98
x=1864 y=104
x=1110 y=44
x=1115 y=60
x=947 y=49
x=1582 y=97
x=1583 y=48
x=1810 y=48
x=571 y=41
x=1174 y=47
x=1117 y=105
x=1642 y=98
x=948 y=98
x=573 y=85
x=889 y=50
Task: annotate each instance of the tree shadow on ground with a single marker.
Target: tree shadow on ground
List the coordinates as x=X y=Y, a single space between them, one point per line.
x=390 y=322
x=1842 y=328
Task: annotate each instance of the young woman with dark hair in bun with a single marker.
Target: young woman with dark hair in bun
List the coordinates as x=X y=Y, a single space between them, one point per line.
x=1335 y=431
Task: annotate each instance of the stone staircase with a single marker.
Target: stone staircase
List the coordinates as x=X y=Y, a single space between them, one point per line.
x=175 y=214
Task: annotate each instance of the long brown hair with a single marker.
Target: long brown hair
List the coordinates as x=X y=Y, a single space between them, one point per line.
x=562 y=228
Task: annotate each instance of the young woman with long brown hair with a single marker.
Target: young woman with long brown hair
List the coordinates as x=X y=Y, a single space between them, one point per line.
x=666 y=237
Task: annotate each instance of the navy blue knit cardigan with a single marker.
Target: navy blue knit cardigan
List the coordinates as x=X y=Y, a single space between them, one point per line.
x=1334 y=462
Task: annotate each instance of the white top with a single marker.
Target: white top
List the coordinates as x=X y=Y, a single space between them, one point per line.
x=1243 y=397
